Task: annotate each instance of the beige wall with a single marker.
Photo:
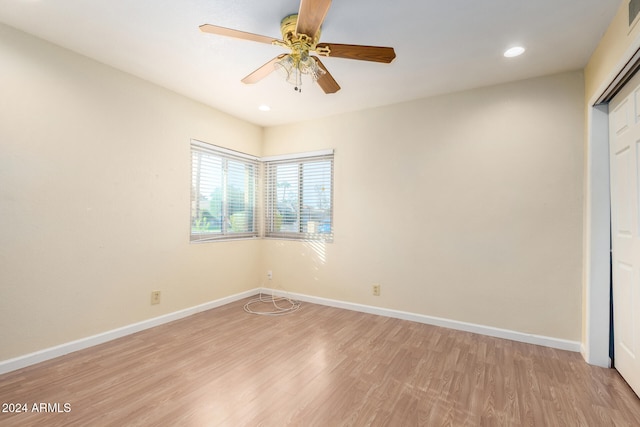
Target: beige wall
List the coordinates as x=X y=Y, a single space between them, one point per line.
x=94 y=199
x=465 y=206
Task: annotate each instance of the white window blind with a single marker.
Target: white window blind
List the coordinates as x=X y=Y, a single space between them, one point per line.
x=223 y=193
x=299 y=197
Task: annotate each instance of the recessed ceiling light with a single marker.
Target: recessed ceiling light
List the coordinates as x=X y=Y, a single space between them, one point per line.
x=264 y=108
x=514 y=51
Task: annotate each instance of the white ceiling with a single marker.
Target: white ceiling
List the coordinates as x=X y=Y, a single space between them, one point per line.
x=441 y=46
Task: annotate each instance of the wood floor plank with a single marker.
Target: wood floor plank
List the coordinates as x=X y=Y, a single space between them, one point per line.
x=319 y=366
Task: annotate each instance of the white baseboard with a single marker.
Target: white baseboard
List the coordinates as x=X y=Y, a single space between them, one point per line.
x=557 y=343
x=66 y=348
x=60 y=350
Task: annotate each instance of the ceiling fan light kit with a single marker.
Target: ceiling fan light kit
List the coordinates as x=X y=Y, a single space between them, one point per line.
x=298 y=62
x=301 y=35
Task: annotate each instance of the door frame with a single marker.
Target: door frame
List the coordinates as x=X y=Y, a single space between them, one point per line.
x=597 y=213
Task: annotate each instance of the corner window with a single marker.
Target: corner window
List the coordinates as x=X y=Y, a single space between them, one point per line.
x=299 y=196
x=223 y=193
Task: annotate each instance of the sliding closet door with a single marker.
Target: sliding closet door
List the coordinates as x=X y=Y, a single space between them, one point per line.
x=624 y=149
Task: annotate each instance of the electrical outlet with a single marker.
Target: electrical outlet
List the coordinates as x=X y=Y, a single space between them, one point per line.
x=155 y=297
x=376 y=290
x=269 y=275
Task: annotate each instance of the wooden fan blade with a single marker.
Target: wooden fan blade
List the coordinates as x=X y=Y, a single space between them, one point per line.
x=228 y=32
x=363 y=53
x=263 y=71
x=311 y=15
x=326 y=81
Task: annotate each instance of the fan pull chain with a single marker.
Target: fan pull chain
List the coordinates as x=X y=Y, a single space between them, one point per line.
x=298 y=86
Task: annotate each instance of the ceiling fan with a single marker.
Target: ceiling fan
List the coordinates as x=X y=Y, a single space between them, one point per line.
x=301 y=35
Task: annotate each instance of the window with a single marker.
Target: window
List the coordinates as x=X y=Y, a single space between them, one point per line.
x=223 y=193
x=299 y=196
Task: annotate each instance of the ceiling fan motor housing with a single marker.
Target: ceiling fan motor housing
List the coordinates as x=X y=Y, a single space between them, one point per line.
x=300 y=44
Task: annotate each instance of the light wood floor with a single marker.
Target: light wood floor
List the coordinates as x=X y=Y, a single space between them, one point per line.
x=320 y=366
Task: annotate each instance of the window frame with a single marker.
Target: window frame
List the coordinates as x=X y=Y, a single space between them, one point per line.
x=225 y=156
x=271 y=195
